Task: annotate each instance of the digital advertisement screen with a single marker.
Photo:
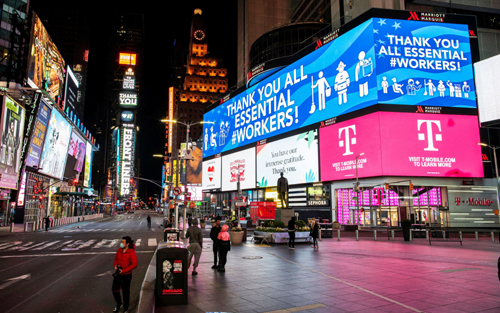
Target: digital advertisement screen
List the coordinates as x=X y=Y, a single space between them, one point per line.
x=380 y=61
x=401 y=144
x=194 y=167
x=296 y=157
x=238 y=166
x=128 y=99
x=71 y=90
x=38 y=137
x=212 y=174
x=87 y=178
x=127 y=58
x=55 y=149
x=128 y=82
x=12 y=128
x=76 y=156
x=44 y=61
x=487 y=77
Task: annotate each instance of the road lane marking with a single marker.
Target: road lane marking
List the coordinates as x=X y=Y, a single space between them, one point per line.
x=23 y=246
x=8 y=268
x=11 y=244
x=62 y=244
x=15 y=280
x=47 y=245
x=64 y=254
x=138 y=242
x=106 y=243
x=152 y=242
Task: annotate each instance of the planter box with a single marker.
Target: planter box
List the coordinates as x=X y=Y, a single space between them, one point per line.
x=283 y=236
x=236 y=237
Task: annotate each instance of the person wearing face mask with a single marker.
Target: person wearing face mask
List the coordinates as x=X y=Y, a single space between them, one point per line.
x=125 y=262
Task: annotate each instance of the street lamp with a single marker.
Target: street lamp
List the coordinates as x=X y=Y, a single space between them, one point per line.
x=357 y=184
x=157 y=156
x=494 y=148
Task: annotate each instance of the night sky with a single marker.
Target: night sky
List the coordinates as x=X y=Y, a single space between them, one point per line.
x=164 y=22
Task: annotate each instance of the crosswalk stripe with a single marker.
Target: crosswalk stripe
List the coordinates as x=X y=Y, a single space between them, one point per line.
x=23 y=246
x=14 y=243
x=62 y=244
x=152 y=229
x=47 y=245
x=152 y=242
x=34 y=246
x=106 y=243
x=138 y=242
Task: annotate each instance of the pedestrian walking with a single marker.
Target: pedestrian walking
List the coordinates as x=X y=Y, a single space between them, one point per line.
x=291 y=233
x=149 y=221
x=125 y=262
x=190 y=221
x=195 y=244
x=315 y=232
x=47 y=223
x=224 y=247
x=214 y=233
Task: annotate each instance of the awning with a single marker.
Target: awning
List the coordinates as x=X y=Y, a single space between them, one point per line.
x=87 y=193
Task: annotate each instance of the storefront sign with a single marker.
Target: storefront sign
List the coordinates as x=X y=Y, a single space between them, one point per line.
x=239 y=166
x=473 y=208
x=128 y=99
x=380 y=61
x=127 y=159
x=11 y=132
x=295 y=156
x=35 y=149
x=56 y=145
x=401 y=144
x=317 y=202
x=22 y=191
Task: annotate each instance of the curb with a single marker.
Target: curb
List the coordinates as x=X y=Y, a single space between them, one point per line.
x=147 y=294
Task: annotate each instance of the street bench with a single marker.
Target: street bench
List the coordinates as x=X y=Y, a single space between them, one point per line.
x=260 y=238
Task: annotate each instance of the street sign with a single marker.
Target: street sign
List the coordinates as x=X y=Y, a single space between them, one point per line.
x=169 y=178
x=240 y=204
x=177 y=191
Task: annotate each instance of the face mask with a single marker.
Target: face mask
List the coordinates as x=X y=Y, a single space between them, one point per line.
x=122 y=246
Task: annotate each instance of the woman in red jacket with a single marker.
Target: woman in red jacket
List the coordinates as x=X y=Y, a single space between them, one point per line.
x=125 y=262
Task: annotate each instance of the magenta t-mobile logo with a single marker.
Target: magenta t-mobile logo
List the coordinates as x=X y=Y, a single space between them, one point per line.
x=348 y=140
x=430 y=137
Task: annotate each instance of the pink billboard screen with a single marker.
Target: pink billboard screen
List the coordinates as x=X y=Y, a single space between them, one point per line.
x=401 y=144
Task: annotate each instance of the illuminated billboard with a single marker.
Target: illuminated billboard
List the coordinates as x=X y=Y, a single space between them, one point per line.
x=401 y=144
x=38 y=137
x=127 y=116
x=55 y=148
x=127 y=59
x=128 y=99
x=295 y=156
x=76 y=157
x=11 y=132
x=45 y=63
x=87 y=178
x=387 y=61
x=128 y=82
x=194 y=167
x=238 y=166
x=127 y=153
x=71 y=91
x=212 y=174
x=487 y=76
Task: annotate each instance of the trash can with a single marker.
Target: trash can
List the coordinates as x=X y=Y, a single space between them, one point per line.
x=171 y=273
x=171 y=234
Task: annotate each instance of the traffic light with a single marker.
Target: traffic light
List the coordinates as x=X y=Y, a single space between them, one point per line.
x=131 y=181
x=129 y=198
x=386 y=186
x=411 y=186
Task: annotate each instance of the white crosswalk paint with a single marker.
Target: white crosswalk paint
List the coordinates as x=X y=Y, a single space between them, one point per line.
x=152 y=242
x=138 y=243
x=47 y=245
x=21 y=246
x=152 y=229
x=106 y=243
x=14 y=243
x=62 y=244
x=33 y=246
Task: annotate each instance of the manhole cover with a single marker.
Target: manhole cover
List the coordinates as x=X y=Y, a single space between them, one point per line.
x=252 y=257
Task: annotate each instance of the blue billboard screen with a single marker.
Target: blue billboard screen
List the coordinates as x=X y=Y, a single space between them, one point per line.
x=379 y=61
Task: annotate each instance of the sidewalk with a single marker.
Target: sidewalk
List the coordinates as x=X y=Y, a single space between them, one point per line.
x=19 y=228
x=348 y=276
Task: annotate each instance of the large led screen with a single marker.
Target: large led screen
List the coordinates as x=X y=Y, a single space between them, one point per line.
x=194 y=167
x=55 y=149
x=487 y=77
x=45 y=63
x=239 y=165
x=380 y=61
x=295 y=156
x=71 y=91
x=36 y=145
x=211 y=174
x=76 y=156
x=401 y=144
x=87 y=178
x=12 y=127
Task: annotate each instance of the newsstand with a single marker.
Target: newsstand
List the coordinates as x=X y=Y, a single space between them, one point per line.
x=171 y=273
x=171 y=234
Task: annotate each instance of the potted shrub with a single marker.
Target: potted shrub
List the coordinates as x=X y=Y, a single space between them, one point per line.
x=236 y=235
x=406 y=225
x=203 y=223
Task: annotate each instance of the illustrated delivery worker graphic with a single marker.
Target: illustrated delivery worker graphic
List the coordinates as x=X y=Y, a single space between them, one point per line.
x=342 y=81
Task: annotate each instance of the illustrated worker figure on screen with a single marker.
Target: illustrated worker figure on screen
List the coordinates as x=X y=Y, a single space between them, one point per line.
x=324 y=90
x=342 y=81
x=224 y=131
x=452 y=88
x=466 y=90
x=385 y=84
x=364 y=68
x=441 y=88
x=213 y=142
x=430 y=87
x=412 y=88
x=397 y=88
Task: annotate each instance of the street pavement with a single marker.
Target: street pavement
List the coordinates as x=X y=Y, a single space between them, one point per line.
x=348 y=276
x=68 y=268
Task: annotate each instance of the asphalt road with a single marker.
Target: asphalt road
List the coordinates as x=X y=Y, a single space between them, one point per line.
x=68 y=269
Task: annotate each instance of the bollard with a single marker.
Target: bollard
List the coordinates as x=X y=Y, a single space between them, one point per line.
x=375 y=234
x=357 y=237
x=338 y=234
x=392 y=234
x=460 y=232
x=25 y=226
x=444 y=234
x=477 y=236
x=427 y=235
x=411 y=237
x=11 y=227
x=493 y=236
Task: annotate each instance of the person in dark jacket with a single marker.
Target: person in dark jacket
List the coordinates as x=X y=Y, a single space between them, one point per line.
x=213 y=235
x=315 y=232
x=149 y=221
x=224 y=247
x=291 y=233
x=125 y=262
x=47 y=223
x=190 y=221
x=195 y=244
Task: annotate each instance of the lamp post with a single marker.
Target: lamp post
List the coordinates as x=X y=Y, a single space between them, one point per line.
x=185 y=158
x=357 y=185
x=494 y=148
